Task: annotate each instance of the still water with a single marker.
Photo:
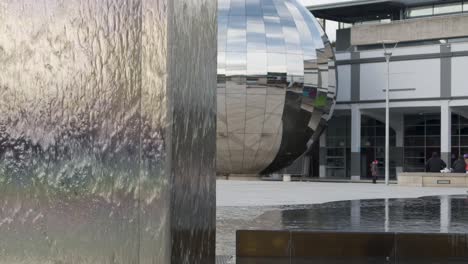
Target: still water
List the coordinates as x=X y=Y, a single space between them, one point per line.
x=438 y=214
x=446 y=214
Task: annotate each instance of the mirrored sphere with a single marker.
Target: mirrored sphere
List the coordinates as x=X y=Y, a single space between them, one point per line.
x=276 y=84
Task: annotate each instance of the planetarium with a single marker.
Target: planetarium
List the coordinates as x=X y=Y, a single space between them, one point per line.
x=276 y=84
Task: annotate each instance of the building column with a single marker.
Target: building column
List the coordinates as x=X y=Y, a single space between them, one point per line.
x=355 y=77
x=323 y=155
x=355 y=143
x=445 y=71
x=446 y=133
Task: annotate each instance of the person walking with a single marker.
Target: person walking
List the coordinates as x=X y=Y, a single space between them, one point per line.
x=459 y=166
x=374 y=170
x=435 y=164
x=454 y=158
x=466 y=161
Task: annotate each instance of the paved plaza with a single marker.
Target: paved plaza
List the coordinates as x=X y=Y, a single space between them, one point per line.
x=240 y=203
x=262 y=193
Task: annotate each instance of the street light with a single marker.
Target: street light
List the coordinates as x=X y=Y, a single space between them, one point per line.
x=388 y=56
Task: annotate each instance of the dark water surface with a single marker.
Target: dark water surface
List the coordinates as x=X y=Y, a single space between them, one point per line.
x=446 y=214
x=441 y=214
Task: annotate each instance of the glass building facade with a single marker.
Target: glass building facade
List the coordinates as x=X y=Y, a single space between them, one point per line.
x=338 y=147
x=338 y=150
x=373 y=146
x=457 y=7
x=459 y=135
x=421 y=137
x=427 y=76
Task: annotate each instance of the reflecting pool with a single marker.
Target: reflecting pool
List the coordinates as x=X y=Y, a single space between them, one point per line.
x=446 y=214
x=438 y=214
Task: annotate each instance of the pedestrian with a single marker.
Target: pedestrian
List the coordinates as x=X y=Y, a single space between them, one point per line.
x=435 y=164
x=374 y=170
x=454 y=158
x=459 y=166
x=466 y=161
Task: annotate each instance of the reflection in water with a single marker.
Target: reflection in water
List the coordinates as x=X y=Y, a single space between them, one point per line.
x=445 y=214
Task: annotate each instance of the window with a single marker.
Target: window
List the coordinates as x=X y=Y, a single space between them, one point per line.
x=458 y=40
x=373 y=22
x=422 y=137
x=448 y=8
x=459 y=135
x=342 y=25
x=420 y=11
x=338 y=145
x=439 y=9
x=373 y=147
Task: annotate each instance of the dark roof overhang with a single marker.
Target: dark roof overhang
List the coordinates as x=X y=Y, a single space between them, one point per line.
x=365 y=10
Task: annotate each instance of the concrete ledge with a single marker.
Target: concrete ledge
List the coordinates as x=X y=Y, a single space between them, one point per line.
x=422 y=179
x=411 y=30
x=355 y=246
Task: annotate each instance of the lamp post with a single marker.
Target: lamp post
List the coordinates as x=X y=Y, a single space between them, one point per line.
x=388 y=56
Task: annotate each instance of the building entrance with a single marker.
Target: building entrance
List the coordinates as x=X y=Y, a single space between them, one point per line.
x=373 y=147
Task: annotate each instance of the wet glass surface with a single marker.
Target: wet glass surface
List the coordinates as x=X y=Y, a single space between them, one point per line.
x=107 y=134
